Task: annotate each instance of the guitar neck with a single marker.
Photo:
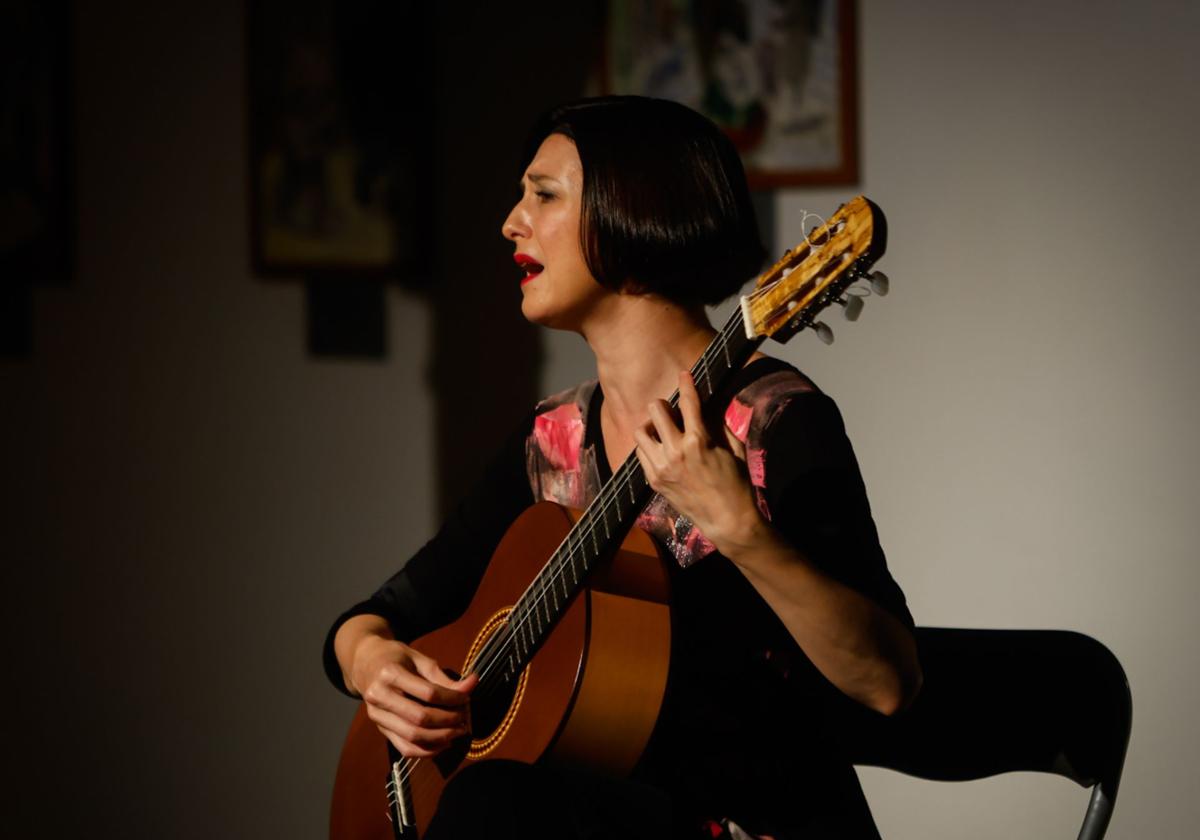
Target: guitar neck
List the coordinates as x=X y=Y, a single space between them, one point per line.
x=607 y=519
x=786 y=299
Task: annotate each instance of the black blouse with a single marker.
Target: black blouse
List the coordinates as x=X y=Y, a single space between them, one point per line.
x=741 y=726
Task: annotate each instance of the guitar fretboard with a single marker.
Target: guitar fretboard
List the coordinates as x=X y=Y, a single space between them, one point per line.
x=601 y=527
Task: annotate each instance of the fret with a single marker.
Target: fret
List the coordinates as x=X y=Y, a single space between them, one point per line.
x=723 y=355
x=522 y=643
x=562 y=579
x=535 y=624
x=571 y=547
x=587 y=554
x=530 y=632
x=637 y=482
x=546 y=609
x=616 y=503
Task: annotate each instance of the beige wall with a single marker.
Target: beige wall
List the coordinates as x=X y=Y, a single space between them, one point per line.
x=1025 y=403
x=192 y=497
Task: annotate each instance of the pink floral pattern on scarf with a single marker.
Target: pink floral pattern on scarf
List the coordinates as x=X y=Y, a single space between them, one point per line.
x=559 y=435
x=561 y=469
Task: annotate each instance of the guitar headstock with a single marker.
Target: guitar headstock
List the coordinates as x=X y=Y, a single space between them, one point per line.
x=817 y=273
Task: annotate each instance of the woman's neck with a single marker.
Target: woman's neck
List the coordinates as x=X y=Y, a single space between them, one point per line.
x=641 y=344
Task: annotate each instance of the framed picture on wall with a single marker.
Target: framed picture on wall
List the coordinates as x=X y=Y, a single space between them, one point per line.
x=778 y=76
x=340 y=152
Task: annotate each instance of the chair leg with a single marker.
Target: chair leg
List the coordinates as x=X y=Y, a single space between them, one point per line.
x=1099 y=812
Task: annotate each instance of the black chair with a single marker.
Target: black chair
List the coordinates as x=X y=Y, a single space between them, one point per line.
x=996 y=701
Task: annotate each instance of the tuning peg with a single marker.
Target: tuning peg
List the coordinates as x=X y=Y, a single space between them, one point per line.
x=823 y=332
x=852 y=307
x=879 y=283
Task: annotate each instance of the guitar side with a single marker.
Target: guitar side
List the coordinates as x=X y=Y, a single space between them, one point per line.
x=590 y=696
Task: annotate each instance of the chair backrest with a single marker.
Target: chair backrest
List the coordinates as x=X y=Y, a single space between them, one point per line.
x=996 y=701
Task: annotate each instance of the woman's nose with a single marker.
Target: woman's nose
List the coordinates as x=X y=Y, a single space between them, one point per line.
x=515 y=226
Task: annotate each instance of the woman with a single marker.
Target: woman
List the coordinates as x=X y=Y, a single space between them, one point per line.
x=633 y=215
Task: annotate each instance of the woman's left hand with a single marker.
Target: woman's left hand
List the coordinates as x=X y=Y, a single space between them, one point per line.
x=703 y=480
x=860 y=647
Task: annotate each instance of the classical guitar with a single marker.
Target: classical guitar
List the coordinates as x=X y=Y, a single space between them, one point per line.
x=572 y=651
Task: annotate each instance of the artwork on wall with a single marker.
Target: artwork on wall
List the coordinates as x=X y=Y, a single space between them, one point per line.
x=778 y=76
x=340 y=147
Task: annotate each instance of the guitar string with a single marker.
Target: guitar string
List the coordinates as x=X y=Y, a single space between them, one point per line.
x=609 y=497
x=623 y=479
x=497 y=648
x=603 y=502
x=619 y=481
x=486 y=670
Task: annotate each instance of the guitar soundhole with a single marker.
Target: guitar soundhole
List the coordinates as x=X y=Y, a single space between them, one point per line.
x=498 y=696
x=490 y=706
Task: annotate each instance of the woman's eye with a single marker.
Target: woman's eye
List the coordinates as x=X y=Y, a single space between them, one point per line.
x=542 y=195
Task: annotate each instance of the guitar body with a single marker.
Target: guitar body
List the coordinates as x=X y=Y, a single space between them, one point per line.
x=590 y=695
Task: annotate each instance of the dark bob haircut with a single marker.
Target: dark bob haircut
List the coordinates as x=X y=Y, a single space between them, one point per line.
x=666 y=209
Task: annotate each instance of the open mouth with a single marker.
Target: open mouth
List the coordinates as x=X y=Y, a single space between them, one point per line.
x=529 y=265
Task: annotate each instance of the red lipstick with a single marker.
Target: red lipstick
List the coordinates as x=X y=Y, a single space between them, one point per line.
x=531 y=267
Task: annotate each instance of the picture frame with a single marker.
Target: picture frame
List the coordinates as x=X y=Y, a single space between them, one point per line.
x=780 y=78
x=340 y=152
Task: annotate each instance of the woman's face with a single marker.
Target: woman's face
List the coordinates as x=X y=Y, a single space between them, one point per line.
x=557 y=288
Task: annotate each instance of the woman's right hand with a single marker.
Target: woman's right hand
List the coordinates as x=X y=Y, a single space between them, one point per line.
x=412 y=701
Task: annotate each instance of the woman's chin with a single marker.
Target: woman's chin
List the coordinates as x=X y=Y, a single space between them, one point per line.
x=547 y=317
x=535 y=314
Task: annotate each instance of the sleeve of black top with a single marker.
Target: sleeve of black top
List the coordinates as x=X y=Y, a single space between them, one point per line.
x=817 y=499
x=436 y=584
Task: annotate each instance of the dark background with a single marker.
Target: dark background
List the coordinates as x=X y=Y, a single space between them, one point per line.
x=165 y=595
x=190 y=495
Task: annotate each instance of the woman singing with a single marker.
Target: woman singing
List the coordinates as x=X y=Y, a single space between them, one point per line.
x=633 y=215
